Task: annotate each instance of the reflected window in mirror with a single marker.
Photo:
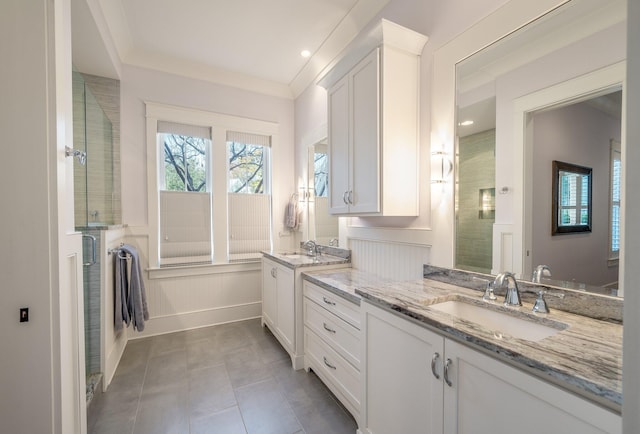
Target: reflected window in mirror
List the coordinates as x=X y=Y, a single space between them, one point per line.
x=321 y=174
x=614 y=202
x=571 y=198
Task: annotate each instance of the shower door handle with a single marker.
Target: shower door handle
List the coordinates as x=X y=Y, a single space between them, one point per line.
x=93 y=249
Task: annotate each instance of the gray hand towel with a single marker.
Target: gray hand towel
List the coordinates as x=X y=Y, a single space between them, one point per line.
x=121 y=310
x=137 y=297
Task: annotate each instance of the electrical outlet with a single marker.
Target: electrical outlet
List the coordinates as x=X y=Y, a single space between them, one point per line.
x=24 y=314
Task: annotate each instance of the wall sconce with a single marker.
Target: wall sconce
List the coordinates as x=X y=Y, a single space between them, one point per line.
x=441 y=167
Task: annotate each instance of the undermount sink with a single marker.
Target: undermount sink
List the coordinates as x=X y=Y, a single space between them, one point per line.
x=500 y=322
x=295 y=255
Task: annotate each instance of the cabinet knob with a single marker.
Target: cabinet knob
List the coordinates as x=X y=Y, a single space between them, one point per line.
x=434 y=359
x=446 y=372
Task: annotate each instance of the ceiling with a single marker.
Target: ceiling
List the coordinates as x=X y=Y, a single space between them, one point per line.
x=252 y=44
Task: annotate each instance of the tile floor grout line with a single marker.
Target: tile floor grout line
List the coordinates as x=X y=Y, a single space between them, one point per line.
x=144 y=377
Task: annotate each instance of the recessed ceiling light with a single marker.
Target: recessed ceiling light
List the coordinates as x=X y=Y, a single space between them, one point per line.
x=466 y=123
x=305 y=53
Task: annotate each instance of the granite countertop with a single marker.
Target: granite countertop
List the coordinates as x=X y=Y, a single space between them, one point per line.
x=344 y=282
x=585 y=357
x=294 y=259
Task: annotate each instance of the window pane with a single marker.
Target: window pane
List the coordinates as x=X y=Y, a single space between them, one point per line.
x=321 y=176
x=585 y=190
x=617 y=165
x=184 y=162
x=246 y=168
x=584 y=216
x=569 y=189
x=567 y=217
x=615 y=228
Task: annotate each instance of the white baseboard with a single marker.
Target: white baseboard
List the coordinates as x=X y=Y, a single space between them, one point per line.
x=193 y=320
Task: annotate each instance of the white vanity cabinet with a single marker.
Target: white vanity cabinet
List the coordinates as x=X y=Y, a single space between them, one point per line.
x=405 y=388
x=282 y=303
x=278 y=302
x=373 y=104
x=332 y=343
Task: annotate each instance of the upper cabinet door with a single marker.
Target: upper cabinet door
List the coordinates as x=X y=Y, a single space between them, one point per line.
x=338 y=100
x=365 y=147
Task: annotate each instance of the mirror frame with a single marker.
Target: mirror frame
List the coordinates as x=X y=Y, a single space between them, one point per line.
x=556 y=193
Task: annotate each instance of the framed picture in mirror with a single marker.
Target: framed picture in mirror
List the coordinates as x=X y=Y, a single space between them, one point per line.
x=571 y=203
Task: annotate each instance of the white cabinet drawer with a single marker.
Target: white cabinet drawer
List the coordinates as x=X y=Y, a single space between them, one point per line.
x=335 y=304
x=340 y=335
x=343 y=377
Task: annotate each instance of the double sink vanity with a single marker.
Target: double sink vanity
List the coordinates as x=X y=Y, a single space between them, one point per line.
x=432 y=355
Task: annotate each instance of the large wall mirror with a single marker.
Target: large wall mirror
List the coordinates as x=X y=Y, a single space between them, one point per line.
x=551 y=91
x=322 y=226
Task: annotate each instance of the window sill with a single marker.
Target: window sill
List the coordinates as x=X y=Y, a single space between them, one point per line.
x=203 y=269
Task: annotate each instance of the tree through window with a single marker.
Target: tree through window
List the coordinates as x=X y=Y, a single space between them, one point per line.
x=185 y=158
x=246 y=168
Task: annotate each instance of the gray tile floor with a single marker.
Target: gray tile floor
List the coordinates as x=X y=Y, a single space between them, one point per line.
x=232 y=378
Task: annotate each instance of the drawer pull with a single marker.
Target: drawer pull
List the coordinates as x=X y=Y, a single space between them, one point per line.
x=434 y=359
x=329 y=302
x=327 y=328
x=328 y=364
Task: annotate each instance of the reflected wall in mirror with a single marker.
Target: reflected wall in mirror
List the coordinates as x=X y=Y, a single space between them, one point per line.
x=323 y=227
x=587 y=133
x=508 y=156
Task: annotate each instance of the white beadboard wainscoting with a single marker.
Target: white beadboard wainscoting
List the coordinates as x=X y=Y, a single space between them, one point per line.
x=113 y=344
x=389 y=259
x=182 y=298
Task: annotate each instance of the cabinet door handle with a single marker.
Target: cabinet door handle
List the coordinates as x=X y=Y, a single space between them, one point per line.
x=344 y=197
x=351 y=197
x=329 y=302
x=274 y=273
x=326 y=362
x=327 y=328
x=446 y=372
x=434 y=359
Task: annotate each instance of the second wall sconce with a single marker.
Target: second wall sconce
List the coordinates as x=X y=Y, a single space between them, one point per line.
x=441 y=167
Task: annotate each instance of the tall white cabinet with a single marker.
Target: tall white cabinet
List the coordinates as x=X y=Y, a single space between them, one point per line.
x=416 y=380
x=373 y=103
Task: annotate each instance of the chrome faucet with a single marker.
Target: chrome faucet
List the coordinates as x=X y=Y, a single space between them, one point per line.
x=334 y=242
x=312 y=248
x=539 y=272
x=512 y=296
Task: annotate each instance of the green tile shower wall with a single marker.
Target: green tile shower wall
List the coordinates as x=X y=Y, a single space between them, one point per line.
x=476 y=171
x=97 y=113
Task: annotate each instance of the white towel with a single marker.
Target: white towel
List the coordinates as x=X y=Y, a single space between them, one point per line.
x=291 y=213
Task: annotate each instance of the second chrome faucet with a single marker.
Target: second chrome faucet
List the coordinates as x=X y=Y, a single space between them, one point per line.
x=512 y=296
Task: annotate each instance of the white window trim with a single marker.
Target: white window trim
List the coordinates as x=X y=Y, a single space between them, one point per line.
x=219 y=124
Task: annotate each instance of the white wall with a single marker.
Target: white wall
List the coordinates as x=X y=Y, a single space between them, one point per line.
x=577 y=134
x=631 y=238
x=40 y=370
x=440 y=21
